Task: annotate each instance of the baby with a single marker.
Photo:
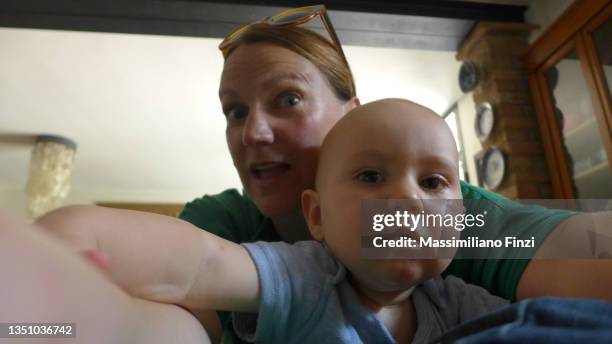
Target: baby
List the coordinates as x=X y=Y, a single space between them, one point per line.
x=321 y=290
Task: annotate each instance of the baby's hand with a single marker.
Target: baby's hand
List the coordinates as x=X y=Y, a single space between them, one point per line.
x=99 y=259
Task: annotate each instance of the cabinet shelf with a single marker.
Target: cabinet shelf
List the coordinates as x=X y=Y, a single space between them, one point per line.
x=581 y=128
x=594 y=182
x=591 y=170
x=583 y=140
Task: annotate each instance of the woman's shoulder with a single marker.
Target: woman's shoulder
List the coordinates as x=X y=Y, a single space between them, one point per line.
x=472 y=192
x=228 y=198
x=229 y=201
x=230 y=214
x=476 y=198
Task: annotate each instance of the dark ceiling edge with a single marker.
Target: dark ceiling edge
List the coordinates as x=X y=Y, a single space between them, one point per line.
x=215 y=19
x=425 y=8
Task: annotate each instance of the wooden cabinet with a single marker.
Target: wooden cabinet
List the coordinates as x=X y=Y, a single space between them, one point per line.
x=570 y=74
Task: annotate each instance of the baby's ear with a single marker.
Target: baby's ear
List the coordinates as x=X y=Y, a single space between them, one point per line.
x=311 y=209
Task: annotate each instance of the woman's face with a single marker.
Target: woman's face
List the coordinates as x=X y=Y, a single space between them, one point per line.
x=278 y=107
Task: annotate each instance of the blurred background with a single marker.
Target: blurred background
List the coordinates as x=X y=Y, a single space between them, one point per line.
x=134 y=86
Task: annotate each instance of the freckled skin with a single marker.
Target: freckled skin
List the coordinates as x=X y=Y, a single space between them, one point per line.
x=286 y=109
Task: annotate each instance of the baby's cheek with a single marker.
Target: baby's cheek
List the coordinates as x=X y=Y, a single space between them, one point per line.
x=398 y=274
x=417 y=271
x=434 y=267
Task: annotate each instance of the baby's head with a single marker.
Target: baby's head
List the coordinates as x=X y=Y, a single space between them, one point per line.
x=387 y=149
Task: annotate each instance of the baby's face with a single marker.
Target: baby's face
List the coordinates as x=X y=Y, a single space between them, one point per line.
x=388 y=149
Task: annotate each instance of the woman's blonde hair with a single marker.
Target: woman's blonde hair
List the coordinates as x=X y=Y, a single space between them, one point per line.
x=308 y=44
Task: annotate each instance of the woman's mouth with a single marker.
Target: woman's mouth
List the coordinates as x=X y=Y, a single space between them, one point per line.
x=265 y=171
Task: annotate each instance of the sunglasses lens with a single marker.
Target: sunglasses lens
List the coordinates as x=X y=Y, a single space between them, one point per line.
x=290 y=17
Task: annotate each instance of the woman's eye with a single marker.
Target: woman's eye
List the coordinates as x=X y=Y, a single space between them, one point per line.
x=433 y=183
x=370 y=176
x=235 y=113
x=289 y=100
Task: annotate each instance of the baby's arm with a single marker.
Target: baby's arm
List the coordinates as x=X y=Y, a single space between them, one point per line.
x=161 y=258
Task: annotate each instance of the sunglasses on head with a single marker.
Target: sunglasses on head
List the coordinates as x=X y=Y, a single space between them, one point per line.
x=289 y=18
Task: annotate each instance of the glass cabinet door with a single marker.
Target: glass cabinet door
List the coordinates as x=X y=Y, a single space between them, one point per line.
x=602 y=36
x=580 y=132
x=570 y=76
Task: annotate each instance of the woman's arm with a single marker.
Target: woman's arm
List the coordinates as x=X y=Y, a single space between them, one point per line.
x=576 y=243
x=43 y=282
x=160 y=258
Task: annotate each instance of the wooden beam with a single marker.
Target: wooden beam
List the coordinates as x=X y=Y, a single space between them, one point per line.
x=430 y=25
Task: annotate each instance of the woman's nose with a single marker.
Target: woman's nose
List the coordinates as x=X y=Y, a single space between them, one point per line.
x=257 y=129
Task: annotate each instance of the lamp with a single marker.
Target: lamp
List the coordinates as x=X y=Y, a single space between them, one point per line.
x=50 y=170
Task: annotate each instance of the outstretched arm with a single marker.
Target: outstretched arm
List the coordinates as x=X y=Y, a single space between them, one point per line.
x=43 y=282
x=160 y=258
x=579 y=243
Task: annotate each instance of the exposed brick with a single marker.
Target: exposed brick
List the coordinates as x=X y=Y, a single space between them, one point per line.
x=478 y=95
x=526 y=147
x=517 y=123
x=513 y=97
x=509 y=190
x=481 y=53
x=524 y=134
x=506 y=85
x=504 y=62
x=523 y=85
x=508 y=74
x=509 y=110
x=506 y=45
x=528 y=190
x=546 y=190
x=533 y=176
x=519 y=161
x=492 y=96
x=495 y=136
x=534 y=133
x=526 y=163
x=528 y=110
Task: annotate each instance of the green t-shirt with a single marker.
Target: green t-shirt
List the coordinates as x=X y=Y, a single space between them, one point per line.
x=233 y=216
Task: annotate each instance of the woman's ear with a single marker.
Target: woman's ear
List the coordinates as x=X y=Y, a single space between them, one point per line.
x=311 y=209
x=351 y=104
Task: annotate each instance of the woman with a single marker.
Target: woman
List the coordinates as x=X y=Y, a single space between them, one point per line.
x=282 y=89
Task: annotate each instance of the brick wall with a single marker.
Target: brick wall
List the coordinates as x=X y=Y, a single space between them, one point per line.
x=497 y=49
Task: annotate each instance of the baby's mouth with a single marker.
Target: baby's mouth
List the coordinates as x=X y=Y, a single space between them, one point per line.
x=269 y=170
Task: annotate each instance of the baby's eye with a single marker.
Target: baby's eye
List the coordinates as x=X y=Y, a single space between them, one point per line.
x=370 y=176
x=433 y=183
x=235 y=113
x=289 y=100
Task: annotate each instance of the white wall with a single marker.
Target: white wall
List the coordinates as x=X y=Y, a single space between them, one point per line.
x=13 y=201
x=144 y=109
x=544 y=13
x=471 y=144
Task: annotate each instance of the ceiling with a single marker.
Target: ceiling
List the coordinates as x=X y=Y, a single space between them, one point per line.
x=416 y=24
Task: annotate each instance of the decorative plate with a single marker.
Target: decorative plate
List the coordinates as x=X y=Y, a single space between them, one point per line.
x=493 y=167
x=468 y=76
x=485 y=120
